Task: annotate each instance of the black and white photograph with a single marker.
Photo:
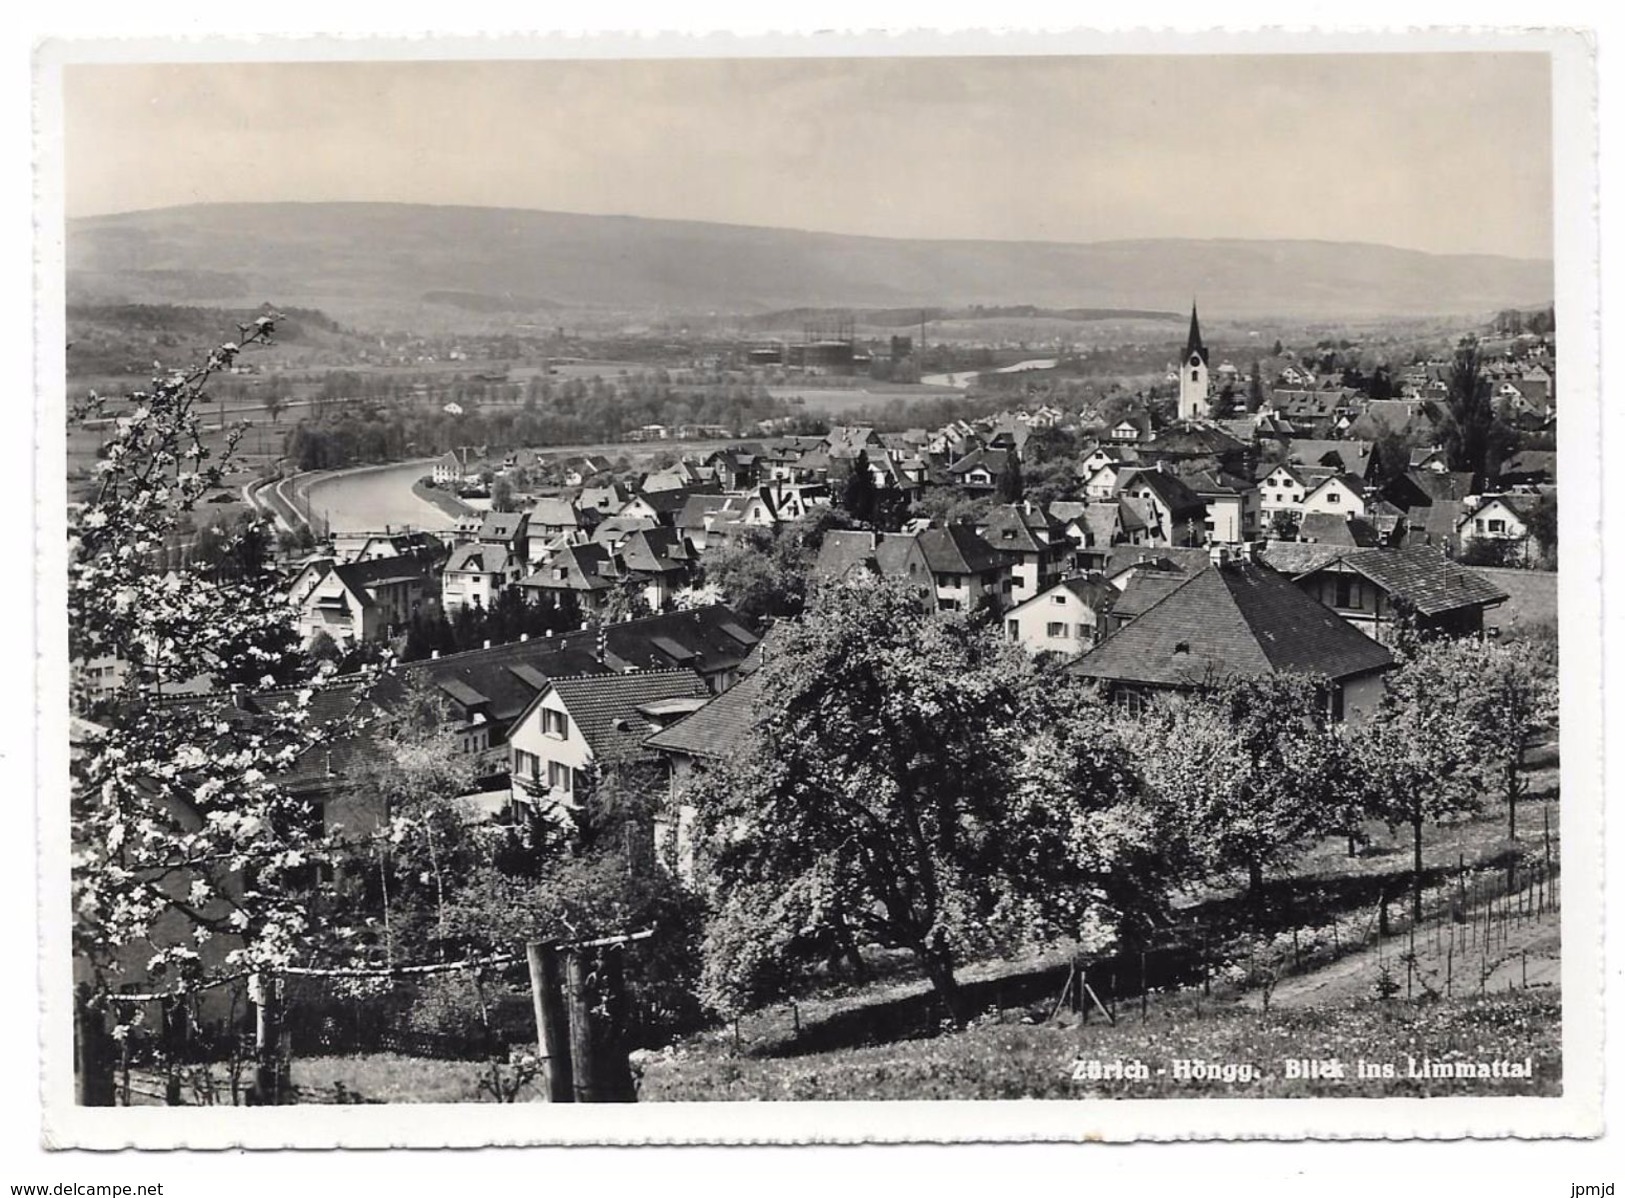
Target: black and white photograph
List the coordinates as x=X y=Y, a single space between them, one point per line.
x=603 y=594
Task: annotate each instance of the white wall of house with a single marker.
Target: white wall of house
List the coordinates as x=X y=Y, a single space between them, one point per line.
x=331 y=607
x=1334 y=497
x=1280 y=492
x=541 y=747
x=1056 y=621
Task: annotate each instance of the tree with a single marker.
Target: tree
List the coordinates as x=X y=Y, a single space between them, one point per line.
x=1255 y=388
x=1284 y=525
x=1473 y=434
x=1011 y=488
x=1542 y=524
x=502 y=498
x=188 y=858
x=1518 y=696
x=907 y=783
x=858 y=495
x=1243 y=774
x=1421 y=755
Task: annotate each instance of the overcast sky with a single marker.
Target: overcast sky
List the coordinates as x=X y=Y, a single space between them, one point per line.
x=1439 y=152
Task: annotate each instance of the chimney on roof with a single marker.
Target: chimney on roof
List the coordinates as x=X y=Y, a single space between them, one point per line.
x=1219 y=554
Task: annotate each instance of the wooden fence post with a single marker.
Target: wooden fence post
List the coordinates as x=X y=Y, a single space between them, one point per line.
x=94 y=1080
x=596 y=1005
x=552 y=1025
x=268 y=1072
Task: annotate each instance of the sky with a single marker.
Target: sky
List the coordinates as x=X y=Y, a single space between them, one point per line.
x=1447 y=153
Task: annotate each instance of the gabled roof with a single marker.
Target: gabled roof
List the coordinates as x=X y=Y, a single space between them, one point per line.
x=1236 y=619
x=586 y=568
x=656 y=551
x=1093 y=592
x=1014 y=528
x=503 y=526
x=1179 y=499
x=362 y=576
x=1333 y=528
x=719 y=727
x=994 y=461
x=1351 y=456
x=477 y=559
x=554 y=511
x=1425 y=578
x=605 y=706
x=958 y=550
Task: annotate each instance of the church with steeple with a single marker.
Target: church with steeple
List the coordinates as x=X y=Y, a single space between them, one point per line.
x=1195 y=389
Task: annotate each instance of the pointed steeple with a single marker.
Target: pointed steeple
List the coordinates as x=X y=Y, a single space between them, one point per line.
x=1193 y=343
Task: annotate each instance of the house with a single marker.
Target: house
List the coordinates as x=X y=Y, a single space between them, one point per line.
x=582 y=575
x=733 y=469
x=1133 y=429
x=458 y=466
x=1336 y=495
x=1329 y=528
x=577 y=471
x=890 y=554
x=607 y=497
x=1283 y=488
x=1173 y=513
x=1502 y=521
x=1529 y=468
x=552 y=516
x=965 y=569
x=1034 y=545
x=981 y=469
x=364 y=601
x=1346 y=457
x=659 y=562
x=689 y=746
x=579 y=724
x=1237 y=618
x=508 y=530
x=663 y=507
x=1373 y=589
x=1068 y=616
x=477 y=574
x=700 y=514
x=369 y=546
x=1233 y=513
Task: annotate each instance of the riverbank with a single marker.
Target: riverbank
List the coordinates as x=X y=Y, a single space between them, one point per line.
x=444 y=500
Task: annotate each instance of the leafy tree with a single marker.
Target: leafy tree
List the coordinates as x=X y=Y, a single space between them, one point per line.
x=1284 y=525
x=502 y=497
x=949 y=505
x=1391 y=455
x=1255 y=388
x=1542 y=524
x=1518 y=695
x=901 y=787
x=858 y=495
x=1244 y=774
x=1422 y=754
x=1011 y=488
x=1473 y=434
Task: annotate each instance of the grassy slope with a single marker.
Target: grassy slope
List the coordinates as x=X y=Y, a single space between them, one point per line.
x=1034 y=1060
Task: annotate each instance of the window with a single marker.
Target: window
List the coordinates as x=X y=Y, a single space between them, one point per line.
x=1498 y=525
x=1193 y=376
x=1349 y=593
x=555 y=723
x=1056 y=631
x=558 y=777
x=1333 y=497
x=1013 y=627
x=1057 y=598
x=526 y=765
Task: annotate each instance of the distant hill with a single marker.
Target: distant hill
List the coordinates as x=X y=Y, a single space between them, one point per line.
x=372 y=263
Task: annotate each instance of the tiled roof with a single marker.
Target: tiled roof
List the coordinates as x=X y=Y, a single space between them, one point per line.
x=553 y=511
x=958 y=550
x=477 y=559
x=1330 y=528
x=1235 y=619
x=1349 y=456
x=359 y=576
x=1014 y=528
x=503 y=526
x=605 y=706
x=586 y=568
x=1179 y=499
x=1297 y=558
x=717 y=728
x=1426 y=578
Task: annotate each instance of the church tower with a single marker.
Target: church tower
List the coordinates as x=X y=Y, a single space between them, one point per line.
x=1194 y=403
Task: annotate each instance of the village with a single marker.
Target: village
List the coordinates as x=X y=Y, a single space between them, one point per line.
x=585 y=627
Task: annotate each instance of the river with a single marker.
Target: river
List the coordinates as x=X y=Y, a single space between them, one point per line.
x=369 y=499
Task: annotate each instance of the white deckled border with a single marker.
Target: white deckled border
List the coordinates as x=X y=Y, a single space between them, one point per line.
x=1577 y=1113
